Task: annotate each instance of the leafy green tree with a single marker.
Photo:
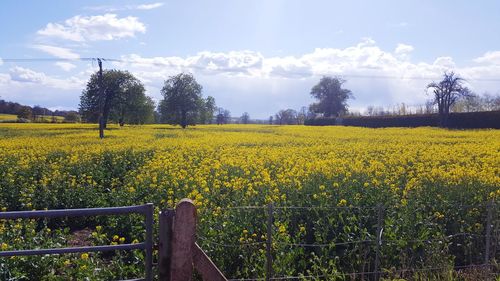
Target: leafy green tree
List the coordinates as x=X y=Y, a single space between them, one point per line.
x=182 y=101
x=72 y=116
x=332 y=98
x=25 y=112
x=208 y=110
x=124 y=99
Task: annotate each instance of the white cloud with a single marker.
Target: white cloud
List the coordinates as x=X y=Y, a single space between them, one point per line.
x=489 y=58
x=25 y=75
x=403 y=49
x=150 y=6
x=66 y=66
x=94 y=28
x=445 y=62
x=109 y=8
x=59 y=52
x=249 y=81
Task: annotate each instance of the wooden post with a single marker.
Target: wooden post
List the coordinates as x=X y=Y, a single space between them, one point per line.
x=101 y=100
x=269 y=242
x=378 y=240
x=488 y=233
x=183 y=239
x=165 y=244
x=204 y=265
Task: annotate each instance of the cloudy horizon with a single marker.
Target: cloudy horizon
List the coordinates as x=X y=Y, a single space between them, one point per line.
x=249 y=63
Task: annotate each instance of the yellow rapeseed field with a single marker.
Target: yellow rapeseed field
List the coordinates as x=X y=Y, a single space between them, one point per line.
x=432 y=183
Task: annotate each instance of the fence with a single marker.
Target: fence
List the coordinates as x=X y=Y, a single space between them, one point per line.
x=377 y=241
x=179 y=253
x=147 y=245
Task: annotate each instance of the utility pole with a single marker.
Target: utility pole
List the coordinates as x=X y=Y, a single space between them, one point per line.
x=101 y=101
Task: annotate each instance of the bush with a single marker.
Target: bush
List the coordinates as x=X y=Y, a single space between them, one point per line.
x=469 y=120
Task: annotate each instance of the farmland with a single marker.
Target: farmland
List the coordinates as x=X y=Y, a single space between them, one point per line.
x=326 y=183
x=8 y=117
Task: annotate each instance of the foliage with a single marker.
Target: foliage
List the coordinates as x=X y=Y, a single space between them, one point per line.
x=468 y=120
x=286 y=117
x=332 y=98
x=125 y=99
x=72 y=116
x=223 y=116
x=208 y=111
x=25 y=112
x=182 y=101
x=433 y=184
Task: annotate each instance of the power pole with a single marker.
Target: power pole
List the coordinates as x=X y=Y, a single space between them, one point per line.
x=101 y=101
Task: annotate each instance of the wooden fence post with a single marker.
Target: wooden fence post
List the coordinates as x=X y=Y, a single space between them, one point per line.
x=204 y=265
x=165 y=244
x=183 y=239
x=378 y=240
x=269 y=242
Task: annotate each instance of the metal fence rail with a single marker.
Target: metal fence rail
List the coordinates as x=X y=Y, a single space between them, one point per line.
x=145 y=210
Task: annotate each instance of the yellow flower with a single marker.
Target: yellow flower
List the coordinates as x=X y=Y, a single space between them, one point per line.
x=122 y=239
x=135 y=241
x=4 y=246
x=438 y=215
x=67 y=262
x=98 y=228
x=84 y=256
x=342 y=203
x=116 y=237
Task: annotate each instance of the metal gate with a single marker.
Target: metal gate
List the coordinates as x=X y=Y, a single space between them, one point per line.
x=147 y=245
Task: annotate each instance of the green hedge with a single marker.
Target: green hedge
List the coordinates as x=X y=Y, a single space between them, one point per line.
x=469 y=120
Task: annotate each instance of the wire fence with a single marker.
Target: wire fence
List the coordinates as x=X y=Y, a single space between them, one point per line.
x=368 y=235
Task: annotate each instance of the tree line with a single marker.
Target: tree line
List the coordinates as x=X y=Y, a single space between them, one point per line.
x=36 y=113
x=126 y=101
x=122 y=99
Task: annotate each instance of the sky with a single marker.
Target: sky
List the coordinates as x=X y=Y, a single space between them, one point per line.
x=255 y=56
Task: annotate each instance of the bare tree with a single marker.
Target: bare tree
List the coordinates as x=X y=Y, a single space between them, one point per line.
x=446 y=93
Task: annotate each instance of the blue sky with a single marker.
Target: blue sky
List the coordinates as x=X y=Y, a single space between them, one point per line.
x=257 y=56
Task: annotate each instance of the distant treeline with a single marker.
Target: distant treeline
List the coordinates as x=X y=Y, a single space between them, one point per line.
x=8 y=107
x=466 y=120
x=26 y=113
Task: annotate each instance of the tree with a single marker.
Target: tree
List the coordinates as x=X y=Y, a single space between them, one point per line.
x=302 y=115
x=245 y=118
x=25 y=112
x=72 y=117
x=125 y=100
x=223 y=116
x=332 y=98
x=286 y=117
x=208 y=110
x=270 y=120
x=182 y=101
x=446 y=93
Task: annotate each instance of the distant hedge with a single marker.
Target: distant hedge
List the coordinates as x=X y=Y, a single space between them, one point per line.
x=487 y=119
